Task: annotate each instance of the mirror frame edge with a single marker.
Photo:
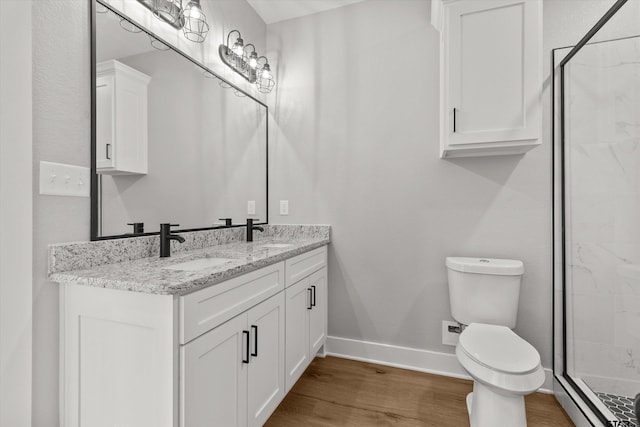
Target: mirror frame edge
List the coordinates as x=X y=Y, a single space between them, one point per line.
x=93 y=236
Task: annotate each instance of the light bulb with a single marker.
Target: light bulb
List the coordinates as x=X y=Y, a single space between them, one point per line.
x=193 y=10
x=266 y=73
x=253 y=60
x=238 y=47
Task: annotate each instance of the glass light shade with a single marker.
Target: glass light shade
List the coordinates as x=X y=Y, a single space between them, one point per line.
x=265 y=82
x=253 y=60
x=238 y=47
x=167 y=10
x=195 y=22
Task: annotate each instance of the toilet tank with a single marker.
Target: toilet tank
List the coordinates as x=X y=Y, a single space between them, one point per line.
x=484 y=290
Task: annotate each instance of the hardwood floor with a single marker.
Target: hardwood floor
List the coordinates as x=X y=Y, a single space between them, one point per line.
x=341 y=392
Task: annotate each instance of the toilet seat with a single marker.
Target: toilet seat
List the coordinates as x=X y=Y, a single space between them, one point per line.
x=498 y=347
x=497 y=357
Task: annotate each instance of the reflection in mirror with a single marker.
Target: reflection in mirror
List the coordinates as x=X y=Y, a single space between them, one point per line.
x=172 y=144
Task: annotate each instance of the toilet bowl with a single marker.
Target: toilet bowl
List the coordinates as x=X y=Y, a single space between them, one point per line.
x=504 y=368
x=484 y=295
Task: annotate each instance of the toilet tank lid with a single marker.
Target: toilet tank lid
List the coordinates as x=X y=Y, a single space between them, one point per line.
x=498 y=267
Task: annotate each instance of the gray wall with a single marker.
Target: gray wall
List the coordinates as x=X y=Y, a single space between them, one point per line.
x=355 y=145
x=16 y=145
x=61 y=133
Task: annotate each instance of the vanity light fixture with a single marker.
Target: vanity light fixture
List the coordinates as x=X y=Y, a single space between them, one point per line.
x=190 y=19
x=195 y=26
x=244 y=60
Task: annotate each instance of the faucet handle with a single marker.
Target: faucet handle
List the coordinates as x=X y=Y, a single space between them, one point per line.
x=227 y=221
x=138 y=227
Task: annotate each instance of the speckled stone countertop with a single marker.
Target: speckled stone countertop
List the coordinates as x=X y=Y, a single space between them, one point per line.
x=147 y=275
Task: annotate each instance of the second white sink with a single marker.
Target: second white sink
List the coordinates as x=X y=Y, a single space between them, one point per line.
x=198 y=264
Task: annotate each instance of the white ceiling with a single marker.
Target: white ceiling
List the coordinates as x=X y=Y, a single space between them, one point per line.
x=278 y=10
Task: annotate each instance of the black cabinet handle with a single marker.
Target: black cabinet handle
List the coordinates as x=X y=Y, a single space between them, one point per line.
x=309 y=307
x=255 y=340
x=454 y=119
x=246 y=334
x=108 y=151
x=313 y=296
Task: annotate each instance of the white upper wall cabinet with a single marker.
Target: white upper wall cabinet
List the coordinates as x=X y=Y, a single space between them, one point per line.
x=491 y=77
x=121 y=119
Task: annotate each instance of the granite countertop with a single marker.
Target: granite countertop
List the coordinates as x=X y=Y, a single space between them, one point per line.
x=147 y=275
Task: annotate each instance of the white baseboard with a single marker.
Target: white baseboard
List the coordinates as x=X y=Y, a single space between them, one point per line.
x=431 y=362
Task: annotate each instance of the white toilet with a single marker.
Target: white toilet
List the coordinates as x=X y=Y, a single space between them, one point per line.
x=484 y=297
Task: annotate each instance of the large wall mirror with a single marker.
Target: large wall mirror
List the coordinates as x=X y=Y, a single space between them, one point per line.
x=172 y=141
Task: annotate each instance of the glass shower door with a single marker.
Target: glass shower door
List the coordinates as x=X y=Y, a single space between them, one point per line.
x=600 y=158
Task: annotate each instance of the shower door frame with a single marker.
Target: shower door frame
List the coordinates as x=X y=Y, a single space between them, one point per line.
x=575 y=396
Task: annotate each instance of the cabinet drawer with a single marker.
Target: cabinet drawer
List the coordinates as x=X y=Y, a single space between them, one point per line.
x=302 y=265
x=204 y=310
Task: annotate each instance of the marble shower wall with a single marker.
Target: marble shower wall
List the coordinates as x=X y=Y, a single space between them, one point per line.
x=603 y=214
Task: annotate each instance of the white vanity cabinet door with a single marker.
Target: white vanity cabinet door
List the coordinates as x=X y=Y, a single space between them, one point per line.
x=306 y=323
x=266 y=367
x=318 y=312
x=298 y=303
x=213 y=384
x=491 y=84
x=233 y=375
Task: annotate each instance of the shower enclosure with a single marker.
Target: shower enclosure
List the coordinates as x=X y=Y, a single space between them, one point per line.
x=597 y=220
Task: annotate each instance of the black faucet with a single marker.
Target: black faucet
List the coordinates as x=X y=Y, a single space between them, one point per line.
x=165 y=239
x=251 y=227
x=138 y=227
x=227 y=221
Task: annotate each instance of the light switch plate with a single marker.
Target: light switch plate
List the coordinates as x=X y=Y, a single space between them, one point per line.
x=449 y=338
x=57 y=179
x=251 y=207
x=284 y=207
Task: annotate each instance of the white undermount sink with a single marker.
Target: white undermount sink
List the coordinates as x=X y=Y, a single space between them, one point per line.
x=198 y=264
x=277 y=245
